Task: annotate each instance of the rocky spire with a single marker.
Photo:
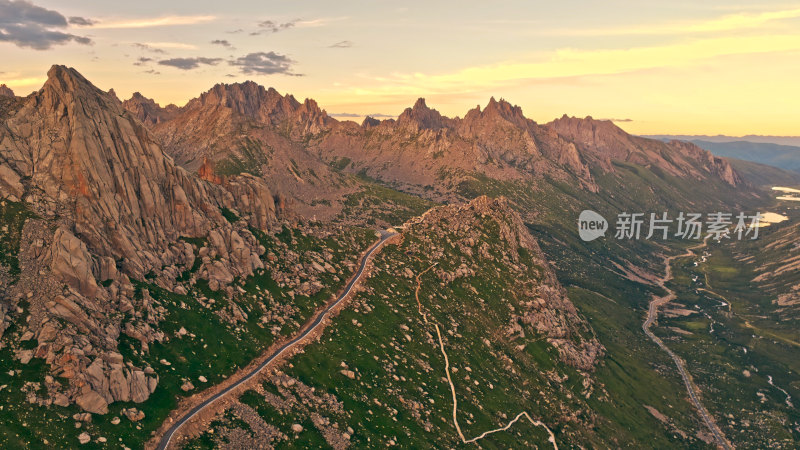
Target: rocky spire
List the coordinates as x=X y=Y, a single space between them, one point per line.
x=420 y=116
x=5 y=91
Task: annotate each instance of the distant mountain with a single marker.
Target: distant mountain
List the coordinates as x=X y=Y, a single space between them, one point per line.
x=758 y=139
x=782 y=156
x=777 y=151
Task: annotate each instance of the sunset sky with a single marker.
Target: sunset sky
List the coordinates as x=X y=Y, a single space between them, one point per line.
x=672 y=67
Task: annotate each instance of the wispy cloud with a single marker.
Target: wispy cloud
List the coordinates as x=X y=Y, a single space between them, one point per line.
x=572 y=63
x=271 y=26
x=222 y=42
x=26 y=25
x=142 y=61
x=81 y=21
x=148 y=48
x=265 y=63
x=342 y=44
x=322 y=21
x=730 y=22
x=165 y=21
x=189 y=63
x=171 y=45
x=16 y=83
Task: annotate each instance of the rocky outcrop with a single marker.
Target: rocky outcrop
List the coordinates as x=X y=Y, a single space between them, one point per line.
x=5 y=91
x=113 y=207
x=147 y=110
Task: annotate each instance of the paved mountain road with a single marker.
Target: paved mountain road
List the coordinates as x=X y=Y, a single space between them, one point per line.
x=167 y=438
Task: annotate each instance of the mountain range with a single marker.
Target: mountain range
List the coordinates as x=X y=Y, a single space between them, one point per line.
x=148 y=248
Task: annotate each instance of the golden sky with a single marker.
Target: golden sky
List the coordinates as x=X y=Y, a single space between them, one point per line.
x=658 y=67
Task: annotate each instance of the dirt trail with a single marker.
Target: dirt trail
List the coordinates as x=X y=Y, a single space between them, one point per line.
x=551 y=439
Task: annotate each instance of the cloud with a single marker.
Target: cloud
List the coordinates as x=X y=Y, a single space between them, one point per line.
x=81 y=21
x=148 y=48
x=569 y=63
x=618 y=120
x=189 y=63
x=142 y=61
x=178 y=45
x=265 y=63
x=152 y=72
x=26 y=25
x=322 y=21
x=270 y=26
x=155 y=22
x=729 y=22
x=16 y=83
x=222 y=42
x=341 y=44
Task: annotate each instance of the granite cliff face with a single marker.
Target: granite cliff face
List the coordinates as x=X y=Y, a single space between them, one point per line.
x=111 y=208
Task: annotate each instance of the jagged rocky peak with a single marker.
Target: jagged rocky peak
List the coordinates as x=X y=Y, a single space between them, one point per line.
x=110 y=207
x=497 y=111
x=263 y=105
x=5 y=91
x=370 y=122
x=147 y=110
x=248 y=98
x=600 y=135
x=420 y=117
x=581 y=128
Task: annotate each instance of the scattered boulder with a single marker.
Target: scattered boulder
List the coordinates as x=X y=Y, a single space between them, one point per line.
x=133 y=414
x=84 y=438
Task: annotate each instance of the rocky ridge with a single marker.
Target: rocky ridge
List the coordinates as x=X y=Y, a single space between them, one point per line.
x=112 y=209
x=240 y=129
x=603 y=142
x=547 y=308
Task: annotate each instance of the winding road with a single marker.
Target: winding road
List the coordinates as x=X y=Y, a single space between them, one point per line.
x=167 y=438
x=652 y=315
